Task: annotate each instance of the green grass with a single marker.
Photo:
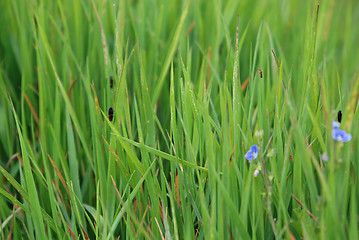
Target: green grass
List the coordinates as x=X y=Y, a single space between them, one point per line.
x=188 y=104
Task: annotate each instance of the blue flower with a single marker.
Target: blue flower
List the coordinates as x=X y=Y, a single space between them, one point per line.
x=325 y=157
x=252 y=153
x=335 y=125
x=341 y=135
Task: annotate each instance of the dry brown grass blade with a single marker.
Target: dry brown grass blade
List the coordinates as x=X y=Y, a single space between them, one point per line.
x=96 y=100
x=209 y=57
x=301 y=204
x=291 y=235
x=276 y=59
x=118 y=193
x=119 y=197
x=85 y=235
x=190 y=28
x=111 y=150
x=60 y=194
x=59 y=174
x=73 y=235
x=161 y=211
x=177 y=196
x=245 y=84
x=159 y=228
x=230 y=158
x=9 y=236
x=16 y=155
x=32 y=109
x=71 y=86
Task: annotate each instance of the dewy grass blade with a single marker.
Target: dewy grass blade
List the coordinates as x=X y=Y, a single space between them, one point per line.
x=30 y=184
x=67 y=100
x=188 y=100
x=169 y=55
x=163 y=154
x=125 y=206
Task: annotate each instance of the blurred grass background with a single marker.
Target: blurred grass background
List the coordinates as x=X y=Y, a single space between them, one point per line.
x=187 y=99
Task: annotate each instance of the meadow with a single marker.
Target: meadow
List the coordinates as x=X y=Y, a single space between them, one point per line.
x=223 y=122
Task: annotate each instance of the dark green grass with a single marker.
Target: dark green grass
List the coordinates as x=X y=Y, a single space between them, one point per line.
x=188 y=104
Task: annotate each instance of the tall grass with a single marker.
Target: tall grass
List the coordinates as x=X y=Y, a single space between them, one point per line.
x=189 y=101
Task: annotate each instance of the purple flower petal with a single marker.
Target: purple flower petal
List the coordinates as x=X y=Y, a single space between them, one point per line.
x=325 y=157
x=335 y=125
x=255 y=155
x=252 y=154
x=254 y=148
x=249 y=155
x=341 y=135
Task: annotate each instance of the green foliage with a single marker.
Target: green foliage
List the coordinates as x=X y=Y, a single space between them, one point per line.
x=194 y=81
